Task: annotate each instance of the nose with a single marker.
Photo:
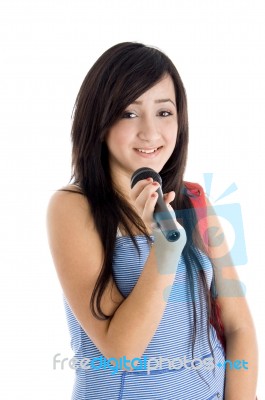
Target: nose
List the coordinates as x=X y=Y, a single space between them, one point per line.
x=148 y=129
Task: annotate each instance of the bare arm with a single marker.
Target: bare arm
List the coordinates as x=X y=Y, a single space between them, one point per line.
x=77 y=253
x=239 y=329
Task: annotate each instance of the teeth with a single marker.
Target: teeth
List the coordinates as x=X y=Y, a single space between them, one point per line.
x=147 y=151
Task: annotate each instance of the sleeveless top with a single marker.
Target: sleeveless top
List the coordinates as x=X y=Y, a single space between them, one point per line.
x=169 y=369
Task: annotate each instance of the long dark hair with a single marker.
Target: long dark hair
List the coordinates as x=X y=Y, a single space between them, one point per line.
x=122 y=74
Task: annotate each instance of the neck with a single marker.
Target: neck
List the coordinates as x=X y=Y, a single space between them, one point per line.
x=122 y=183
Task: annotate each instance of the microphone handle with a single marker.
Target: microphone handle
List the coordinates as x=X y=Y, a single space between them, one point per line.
x=164 y=219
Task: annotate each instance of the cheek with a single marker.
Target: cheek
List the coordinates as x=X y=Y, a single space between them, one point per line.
x=171 y=144
x=175 y=133
x=170 y=129
x=115 y=146
x=172 y=138
x=118 y=138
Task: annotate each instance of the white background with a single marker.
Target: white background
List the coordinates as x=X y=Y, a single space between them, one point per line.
x=46 y=50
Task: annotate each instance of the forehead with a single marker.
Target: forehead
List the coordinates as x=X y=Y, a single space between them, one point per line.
x=163 y=89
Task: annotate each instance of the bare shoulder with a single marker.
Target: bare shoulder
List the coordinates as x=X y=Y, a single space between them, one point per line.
x=72 y=188
x=69 y=218
x=68 y=201
x=73 y=239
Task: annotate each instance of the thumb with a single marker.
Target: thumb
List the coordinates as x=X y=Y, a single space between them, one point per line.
x=169 y=197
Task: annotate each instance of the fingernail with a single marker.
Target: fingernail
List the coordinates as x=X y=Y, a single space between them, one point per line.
x=155 y=184
x=149 y=179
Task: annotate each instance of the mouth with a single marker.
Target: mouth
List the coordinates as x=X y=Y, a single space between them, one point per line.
x=149 y=150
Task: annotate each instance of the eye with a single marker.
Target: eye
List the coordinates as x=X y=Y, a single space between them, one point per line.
x=165 y=113
x=128 y=115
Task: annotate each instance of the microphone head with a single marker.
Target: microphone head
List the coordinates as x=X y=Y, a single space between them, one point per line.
x=144 y=173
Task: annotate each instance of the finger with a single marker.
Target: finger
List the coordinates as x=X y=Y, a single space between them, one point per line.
x=169 y=197
x=149 y=208
x=139 y=186
x=145 y=194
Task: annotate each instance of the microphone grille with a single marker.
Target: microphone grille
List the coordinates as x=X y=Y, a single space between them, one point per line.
x=144 y=173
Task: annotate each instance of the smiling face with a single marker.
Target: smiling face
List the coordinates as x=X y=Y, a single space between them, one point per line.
x=146 y=133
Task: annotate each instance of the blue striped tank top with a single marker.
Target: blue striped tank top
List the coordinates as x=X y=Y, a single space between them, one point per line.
x=169 y=370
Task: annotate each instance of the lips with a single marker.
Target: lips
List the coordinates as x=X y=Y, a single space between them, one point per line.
x=148 y=150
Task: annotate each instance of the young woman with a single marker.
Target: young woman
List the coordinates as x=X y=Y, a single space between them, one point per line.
x=149 y=318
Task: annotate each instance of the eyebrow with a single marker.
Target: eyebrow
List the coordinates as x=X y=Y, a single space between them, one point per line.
x=156 y=101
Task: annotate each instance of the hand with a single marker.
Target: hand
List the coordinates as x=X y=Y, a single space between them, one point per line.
x=144 y=198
